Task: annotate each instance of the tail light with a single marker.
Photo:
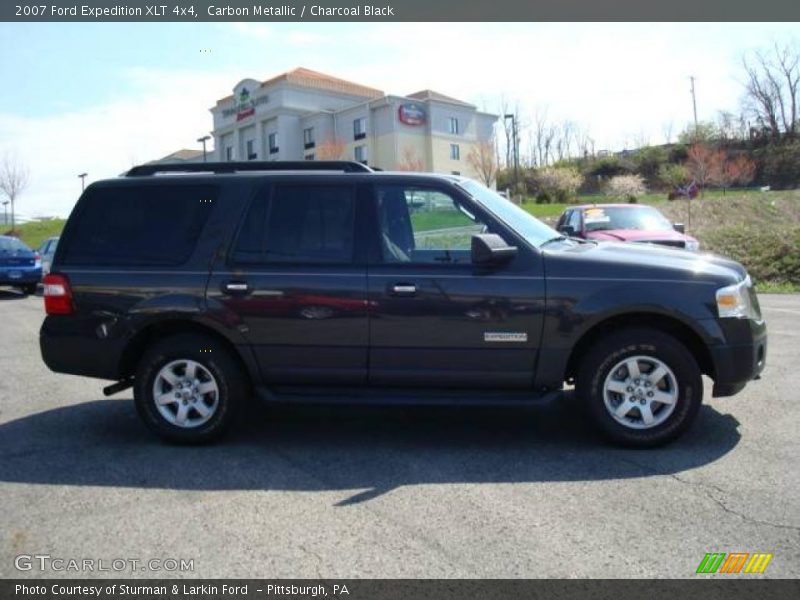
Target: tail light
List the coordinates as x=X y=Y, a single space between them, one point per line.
x=57 y=295
x=37 y=260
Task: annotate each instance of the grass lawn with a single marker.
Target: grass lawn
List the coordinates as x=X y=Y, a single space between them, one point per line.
x=438 y=219
x=768 y=287
x=35 y=232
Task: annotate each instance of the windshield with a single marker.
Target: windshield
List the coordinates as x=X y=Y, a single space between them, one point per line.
x=529 y=227
x=645 y=218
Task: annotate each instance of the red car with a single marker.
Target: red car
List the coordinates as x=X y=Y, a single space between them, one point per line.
x=624 y=223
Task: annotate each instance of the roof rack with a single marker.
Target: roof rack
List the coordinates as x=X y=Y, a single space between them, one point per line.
x=345 y=166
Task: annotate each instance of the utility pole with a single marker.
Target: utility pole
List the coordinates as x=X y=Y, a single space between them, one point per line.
x=516 y=147
x=83 y=181
x=694 y=104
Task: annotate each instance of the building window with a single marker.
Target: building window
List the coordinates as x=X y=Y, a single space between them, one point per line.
x=361 y=154
x=452 y=125
x=272 y=141
x=308 y=137
x=455 y=152
x=251 y=150
x=360 y=128
x=229 y=153
x=309 y=157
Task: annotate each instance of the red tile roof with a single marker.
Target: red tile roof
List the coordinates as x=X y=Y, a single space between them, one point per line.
x=321 y=81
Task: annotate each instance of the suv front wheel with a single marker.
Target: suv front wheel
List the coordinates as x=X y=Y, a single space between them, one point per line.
x=641 y=386
x=187 y=389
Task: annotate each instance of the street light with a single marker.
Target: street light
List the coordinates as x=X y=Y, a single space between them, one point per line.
x=5 y=212
x=83 y=181
x=203 y=141
x=516 y=147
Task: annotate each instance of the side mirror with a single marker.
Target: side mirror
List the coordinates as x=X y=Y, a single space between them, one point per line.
x=491 y=249
x=567 y=230
x=679 y=227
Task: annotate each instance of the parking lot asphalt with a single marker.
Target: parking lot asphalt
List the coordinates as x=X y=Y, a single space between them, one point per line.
x=380 y=492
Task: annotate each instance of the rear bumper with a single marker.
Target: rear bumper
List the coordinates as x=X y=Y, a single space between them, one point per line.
x=741 y=361
x=68 y=348
x=24 y=275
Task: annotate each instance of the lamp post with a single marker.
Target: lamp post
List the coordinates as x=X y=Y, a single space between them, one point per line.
x=516 y=147
x=83 y=181
x=203 y=141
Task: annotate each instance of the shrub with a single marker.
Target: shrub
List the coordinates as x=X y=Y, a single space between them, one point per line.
x=557 y=184
x=672 y=175
x=781 y=166
x=649 y=161
x=626 y=187
x=604 y=167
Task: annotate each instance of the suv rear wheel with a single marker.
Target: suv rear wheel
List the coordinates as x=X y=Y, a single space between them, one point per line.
x=187 y=389
x=641 y=386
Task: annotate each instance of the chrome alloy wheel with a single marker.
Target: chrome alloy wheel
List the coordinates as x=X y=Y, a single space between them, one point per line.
x=185 y=393
x=640 y=392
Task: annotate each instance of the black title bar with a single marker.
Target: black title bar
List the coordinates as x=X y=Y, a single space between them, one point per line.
x=159 y=11
x=396 y=589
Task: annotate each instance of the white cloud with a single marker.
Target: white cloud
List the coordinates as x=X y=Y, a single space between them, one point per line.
x=166 y=112
x=255 y=30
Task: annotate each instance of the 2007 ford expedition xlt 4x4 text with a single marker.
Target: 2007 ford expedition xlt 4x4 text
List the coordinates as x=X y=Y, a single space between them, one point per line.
x=327 y=281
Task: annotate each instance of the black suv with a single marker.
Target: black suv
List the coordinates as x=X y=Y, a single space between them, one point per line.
x=328 y=282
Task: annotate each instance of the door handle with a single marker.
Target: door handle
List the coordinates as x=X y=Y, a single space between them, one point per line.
x=404 y=289
x=236 y=287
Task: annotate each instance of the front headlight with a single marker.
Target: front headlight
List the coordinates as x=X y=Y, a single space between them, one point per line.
x=692 y=245
x=733 y=301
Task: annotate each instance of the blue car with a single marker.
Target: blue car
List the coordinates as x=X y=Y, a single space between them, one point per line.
x=20 y=266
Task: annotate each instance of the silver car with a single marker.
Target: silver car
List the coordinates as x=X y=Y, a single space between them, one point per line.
x=46 y=251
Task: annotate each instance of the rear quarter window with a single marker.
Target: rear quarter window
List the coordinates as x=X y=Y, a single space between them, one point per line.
x=147 y=225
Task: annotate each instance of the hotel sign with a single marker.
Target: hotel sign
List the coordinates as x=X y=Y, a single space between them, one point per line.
x=244 y=105
x=411 y=114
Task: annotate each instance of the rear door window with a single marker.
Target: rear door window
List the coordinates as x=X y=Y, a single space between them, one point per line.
x=298 y=224
x=149 y=225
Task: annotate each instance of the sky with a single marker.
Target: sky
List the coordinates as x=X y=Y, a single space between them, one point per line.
x=101 y=97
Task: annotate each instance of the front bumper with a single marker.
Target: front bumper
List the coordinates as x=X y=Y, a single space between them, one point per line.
x=742 y=359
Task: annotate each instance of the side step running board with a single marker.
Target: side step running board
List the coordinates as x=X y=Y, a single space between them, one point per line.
x=402 y=397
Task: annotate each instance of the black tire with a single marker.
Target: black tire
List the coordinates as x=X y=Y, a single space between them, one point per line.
x=28 y=289
x=607 y=353
x=217 y=361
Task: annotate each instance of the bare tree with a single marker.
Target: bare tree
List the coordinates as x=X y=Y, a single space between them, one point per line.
x=410 y=161
x=771 y=88
x=508 y=131
x=482 y=159
x=331 y=149
x=667 y=128
x=584 y=142
x=13 y=180
x=540 y=138
x=733 y=170
x=704 y=163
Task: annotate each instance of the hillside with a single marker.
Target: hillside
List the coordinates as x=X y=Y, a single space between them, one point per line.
x=759 y=229
x=35 y=232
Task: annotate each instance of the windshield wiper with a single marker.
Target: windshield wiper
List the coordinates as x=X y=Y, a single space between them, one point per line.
x=558 y=238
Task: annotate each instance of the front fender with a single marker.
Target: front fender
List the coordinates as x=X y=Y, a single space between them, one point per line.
x=574 y=306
